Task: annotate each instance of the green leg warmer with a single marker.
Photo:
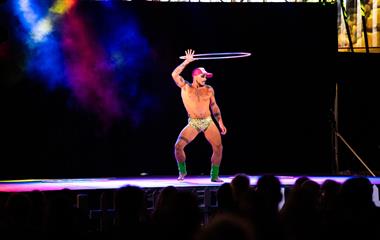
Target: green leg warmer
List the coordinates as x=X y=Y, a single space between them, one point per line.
x=182 y=168
x=214 y=172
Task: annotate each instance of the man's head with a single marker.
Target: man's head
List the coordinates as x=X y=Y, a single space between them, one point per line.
x=200 y=75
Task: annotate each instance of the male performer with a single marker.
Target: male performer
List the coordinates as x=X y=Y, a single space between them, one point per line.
x=199 y=101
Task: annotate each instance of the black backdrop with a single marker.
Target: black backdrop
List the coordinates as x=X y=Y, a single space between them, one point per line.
x=359 y=117
x=276 y=103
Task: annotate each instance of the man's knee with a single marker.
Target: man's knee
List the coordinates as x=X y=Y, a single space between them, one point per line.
x=180 y=144
x=218 y=148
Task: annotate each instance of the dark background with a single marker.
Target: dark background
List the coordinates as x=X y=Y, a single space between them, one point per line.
x=276 y=104
x=359 y=118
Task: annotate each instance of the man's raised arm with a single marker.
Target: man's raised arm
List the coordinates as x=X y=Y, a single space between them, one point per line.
x=177 y=71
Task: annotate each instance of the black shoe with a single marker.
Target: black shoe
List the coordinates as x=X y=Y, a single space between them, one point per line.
x=216 y=180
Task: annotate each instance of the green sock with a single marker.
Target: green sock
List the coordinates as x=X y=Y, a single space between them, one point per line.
x=214 y=171
x=182 y=167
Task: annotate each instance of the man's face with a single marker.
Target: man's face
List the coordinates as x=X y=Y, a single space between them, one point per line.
x=201 y=79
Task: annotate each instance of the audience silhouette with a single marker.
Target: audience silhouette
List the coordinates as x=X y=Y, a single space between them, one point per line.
x=329 y=210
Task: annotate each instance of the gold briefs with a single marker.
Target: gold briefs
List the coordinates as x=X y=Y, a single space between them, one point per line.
x=200 y=124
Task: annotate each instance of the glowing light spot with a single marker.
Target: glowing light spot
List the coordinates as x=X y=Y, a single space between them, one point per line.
x=62 y=6
x=41 y=30
x=27 y=11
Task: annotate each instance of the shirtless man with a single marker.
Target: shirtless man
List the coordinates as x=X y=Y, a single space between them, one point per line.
x=199 y=101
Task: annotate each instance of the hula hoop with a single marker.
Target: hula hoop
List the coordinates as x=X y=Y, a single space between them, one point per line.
x=224 y=55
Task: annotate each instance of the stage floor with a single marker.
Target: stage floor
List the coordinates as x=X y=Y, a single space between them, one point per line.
x=26 y=185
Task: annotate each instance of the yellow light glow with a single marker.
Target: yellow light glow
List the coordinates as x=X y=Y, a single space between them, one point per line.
x=62 y=6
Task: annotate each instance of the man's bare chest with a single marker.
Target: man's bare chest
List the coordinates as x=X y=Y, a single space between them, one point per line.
x=197 y=94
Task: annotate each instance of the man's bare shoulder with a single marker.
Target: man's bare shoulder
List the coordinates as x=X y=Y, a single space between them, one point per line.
x=209 y=88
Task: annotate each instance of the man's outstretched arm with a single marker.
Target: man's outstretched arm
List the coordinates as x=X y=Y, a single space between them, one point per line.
x=178 y=70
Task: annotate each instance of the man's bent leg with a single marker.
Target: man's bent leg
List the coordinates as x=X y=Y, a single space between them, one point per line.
x=185 y=137
x=213 y=136
x=181 y=157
